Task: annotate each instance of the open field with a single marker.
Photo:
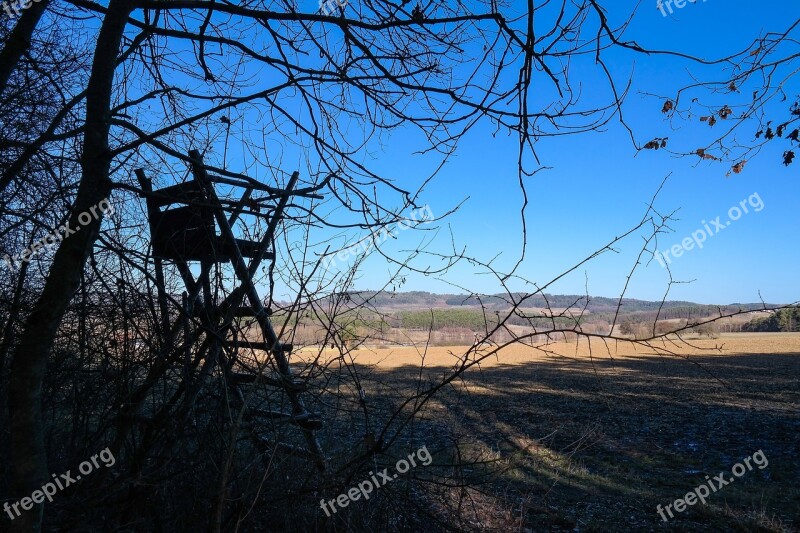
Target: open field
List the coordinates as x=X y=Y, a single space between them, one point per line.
x=446 y=356
x=575 y=443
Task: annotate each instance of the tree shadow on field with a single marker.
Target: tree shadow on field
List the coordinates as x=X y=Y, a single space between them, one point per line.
x=585 y=445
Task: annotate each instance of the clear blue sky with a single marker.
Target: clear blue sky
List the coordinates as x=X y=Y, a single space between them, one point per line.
x=599 y=187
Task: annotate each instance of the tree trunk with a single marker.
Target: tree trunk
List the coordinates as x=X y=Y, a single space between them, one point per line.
x=13 y=312
x=29 y=461
x=19 y=41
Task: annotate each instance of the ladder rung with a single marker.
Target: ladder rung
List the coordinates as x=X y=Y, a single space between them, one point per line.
x=310 y=421
x=286 y=348
x=295 y=384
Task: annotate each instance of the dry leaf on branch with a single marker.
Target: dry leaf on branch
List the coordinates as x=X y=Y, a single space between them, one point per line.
x=656 y=143
x=702 y=153
x=711 y=120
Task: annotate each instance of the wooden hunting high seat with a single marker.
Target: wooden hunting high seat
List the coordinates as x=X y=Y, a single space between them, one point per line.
x=190 y=222
x=188 y=232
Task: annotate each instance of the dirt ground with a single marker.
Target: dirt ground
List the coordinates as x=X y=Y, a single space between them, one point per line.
x=594 y=440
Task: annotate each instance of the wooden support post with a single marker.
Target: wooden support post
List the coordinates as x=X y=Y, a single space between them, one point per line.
x=147 y=186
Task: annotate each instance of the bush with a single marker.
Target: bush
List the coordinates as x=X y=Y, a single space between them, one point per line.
x=710 y=330
x=627 y=327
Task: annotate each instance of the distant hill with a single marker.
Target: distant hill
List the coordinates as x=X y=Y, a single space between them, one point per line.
x=454 y=319
x=417 y=300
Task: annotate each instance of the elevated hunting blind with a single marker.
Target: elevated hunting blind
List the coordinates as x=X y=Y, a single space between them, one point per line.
x=190 y=223
x=188 y=233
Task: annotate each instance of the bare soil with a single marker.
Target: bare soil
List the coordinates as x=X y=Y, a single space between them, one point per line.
x=592 y=437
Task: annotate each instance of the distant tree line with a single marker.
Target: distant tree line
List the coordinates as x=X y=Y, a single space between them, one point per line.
x=782 y=320
x=638 y=323
x=473 y=319
x=606 y=307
